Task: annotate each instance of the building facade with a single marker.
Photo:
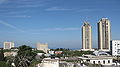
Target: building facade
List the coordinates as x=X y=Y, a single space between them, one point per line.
x=104 y=34
x=8 y=45
x=115 y=47
x=6 y=54
x=49 y=62
x=86 y=36
x=98 y=57
x=43 y=47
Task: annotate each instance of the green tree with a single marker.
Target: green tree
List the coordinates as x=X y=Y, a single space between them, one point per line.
x=38 y=51
x=24 y=57
x=1 y=55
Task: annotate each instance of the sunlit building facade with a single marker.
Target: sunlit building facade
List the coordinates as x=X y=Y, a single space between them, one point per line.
x=8 y=45
x=86 y=36
x=104 y=34
x=43 y=47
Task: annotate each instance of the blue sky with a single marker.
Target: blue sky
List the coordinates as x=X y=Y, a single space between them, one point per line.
x=57 y=22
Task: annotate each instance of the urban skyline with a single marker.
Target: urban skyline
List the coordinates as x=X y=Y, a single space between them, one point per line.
x=56 y=22
x=104 y=35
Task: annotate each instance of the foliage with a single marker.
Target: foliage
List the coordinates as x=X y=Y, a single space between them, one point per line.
x=25 y=51
x=60 y=49
x=24 y=57
x=76 y=53
x=70 y=53
x=5 y=61
x=38 y=51
x=72 y=61
x=3 y=64
x=34 y=63
x=9 y=50
x=1 y=55
x=94 y=65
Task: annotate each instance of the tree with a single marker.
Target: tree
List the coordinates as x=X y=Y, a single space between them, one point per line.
x=3 y=64
x=1 y=55
x=24 y=57
x=38 y=51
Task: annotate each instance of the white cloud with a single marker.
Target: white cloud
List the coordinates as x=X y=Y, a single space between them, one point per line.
x=62 y=29
x=57 y=9
x=89 y=10
x=38 y=31
x=18 y=16
x=30 y=6
x=56 y=29
x=11 y=26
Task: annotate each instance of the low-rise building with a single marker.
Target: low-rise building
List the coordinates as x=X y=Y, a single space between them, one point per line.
x=10 y=54
x=58 y=52
x=115 y=47
x=99 y=57
x=52 y=52
x=49 y=62
x=69 y=64
x=87 y=49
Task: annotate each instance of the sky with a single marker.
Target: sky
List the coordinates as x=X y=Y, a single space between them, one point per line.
x=56 y=22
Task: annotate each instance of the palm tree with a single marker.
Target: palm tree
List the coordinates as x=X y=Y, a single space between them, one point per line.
x=24 y=57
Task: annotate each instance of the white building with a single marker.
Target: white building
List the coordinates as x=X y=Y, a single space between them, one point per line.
x=8 y=45
x=115 y=47
x=52 y=52
x=10 y=54
x=86 y=37
x=49 y=62
x=43 y=47
x=104 y=34
x=97 y=58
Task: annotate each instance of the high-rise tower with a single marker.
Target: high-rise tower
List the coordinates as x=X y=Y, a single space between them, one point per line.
x=104 y=34
x=86 y=36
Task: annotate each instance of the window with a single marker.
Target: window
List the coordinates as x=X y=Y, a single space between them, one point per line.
x=108 y=61
x=103 y=62
x=98 y=62
x=93 y=62
x=118 y=51
x=88 y=60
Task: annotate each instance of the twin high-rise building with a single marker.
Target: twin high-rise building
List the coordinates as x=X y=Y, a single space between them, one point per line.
x=103 y=35
x=86 y=36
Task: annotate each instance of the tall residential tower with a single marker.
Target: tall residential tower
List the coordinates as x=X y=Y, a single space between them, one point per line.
x=86 y=36
x=104 y=34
